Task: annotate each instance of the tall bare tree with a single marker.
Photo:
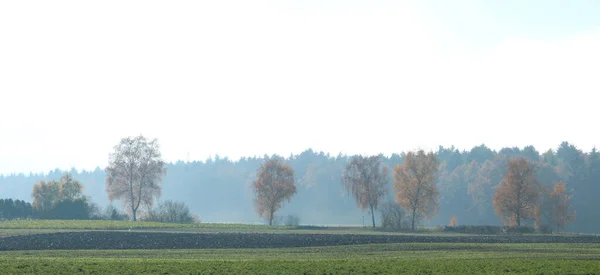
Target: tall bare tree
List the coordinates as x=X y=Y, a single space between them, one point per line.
x=518 y=193
x=367 y=179
x=274 y=183
x=134 y=173
x=414 y=184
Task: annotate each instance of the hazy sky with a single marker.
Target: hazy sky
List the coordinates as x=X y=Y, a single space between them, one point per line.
x=252 y=77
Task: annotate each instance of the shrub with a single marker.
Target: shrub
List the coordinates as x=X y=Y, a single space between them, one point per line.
x=474 y=229
x=292 y=220
x=113 y=213
x=393 y=216
x=69 y=209
x=545 y=229
x=519 y=229
x=77 y=209
x=171 y=211
x=277 y=220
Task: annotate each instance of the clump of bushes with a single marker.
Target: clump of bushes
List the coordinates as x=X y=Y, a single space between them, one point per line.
x=75 y=209
x=112 y=213
x=393 y=217
x=475 y=229
x=519 y=230
x=172 y=212
x=289 y=220
x=490 y=229
x=545 y=229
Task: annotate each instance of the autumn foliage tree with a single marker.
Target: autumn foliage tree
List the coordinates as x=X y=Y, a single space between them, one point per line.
x=561 y=207
x=273 y=185
x=45 y=195
x=48 y=196
x=453 y=221
x=134 y=173
x=367 y=179
x=517 y=194
x=556 y=209
x=415 y=187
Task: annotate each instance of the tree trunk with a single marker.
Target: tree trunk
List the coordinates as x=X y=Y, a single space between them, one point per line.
x=373 y=216
x=271 y=217
x=413 y=219
x=133 y=211
x=414 y=210
x=518 y=220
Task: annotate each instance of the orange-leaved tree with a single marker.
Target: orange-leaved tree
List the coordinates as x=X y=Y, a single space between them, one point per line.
x=367 y=179
x=414 y=185
x=453 y=221
x=274 y=183
x=559 y=207
x=518 y=193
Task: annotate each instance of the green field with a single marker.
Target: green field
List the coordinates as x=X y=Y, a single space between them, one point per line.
x=19 y=227
x=438 y=258
x=121 y=225
x=401 y=258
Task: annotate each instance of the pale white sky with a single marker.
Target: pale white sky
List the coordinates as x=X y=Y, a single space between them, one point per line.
x=241 y=78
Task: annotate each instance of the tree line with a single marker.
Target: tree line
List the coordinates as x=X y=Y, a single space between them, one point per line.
x=518 y=197
x=63 y=199
x=466 y=183
x=135 y=169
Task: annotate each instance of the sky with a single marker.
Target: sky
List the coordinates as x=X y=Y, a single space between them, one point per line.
x=248 y=78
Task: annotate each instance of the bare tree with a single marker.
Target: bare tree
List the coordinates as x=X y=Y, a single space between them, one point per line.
x=367 y=179
x=134 y=173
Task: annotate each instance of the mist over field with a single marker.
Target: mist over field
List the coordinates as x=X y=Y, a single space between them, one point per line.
x=219 y=190
x=299 y=137
x=244 y=79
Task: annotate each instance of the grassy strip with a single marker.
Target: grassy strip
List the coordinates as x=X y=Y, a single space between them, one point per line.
x=411 y=258
x=412 y=251
x=122 y=225
x=22 y=227
x=375 y=266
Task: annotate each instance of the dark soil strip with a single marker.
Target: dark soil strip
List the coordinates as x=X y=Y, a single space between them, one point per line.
x=147 y=240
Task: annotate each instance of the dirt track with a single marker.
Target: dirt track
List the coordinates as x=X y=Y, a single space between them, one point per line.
x=146 y=240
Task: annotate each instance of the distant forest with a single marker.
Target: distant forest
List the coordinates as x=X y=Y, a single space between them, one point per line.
x=219 y=190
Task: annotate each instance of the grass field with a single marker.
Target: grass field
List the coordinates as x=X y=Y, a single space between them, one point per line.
x=20 y=227
x=390 y=258
x=121 y=225
x=437 y=258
